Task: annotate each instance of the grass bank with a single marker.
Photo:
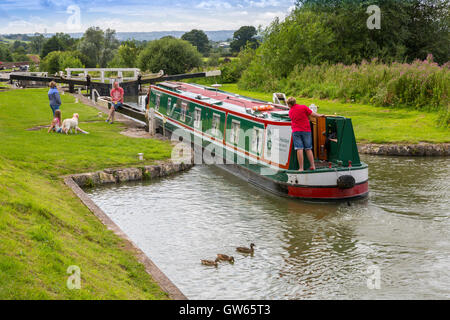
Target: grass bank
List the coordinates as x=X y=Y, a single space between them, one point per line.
x=373 y=124
x=44 y=227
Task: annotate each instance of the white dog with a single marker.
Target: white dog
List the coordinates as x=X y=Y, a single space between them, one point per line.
x=70 y=124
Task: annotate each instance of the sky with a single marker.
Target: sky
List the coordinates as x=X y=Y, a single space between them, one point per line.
x=70 y=16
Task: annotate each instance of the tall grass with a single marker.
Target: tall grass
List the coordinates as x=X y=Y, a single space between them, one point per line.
x=421 y=85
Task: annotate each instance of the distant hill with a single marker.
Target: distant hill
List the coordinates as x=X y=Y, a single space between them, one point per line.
x=220 y=35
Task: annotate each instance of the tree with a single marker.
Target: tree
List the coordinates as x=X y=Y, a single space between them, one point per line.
x=428 y=30
x=126 y=56
x=241 y=37
x=37 y=43
x=5 y=53
x=98 y=46
x=58 y=61
x=410 y=29
x=59 y=42
x=174 y=56
x=198 y=39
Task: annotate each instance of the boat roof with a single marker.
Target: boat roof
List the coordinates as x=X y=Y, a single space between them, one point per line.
x=227 y=100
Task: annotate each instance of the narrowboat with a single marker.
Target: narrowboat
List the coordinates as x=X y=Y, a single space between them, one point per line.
x=253 y=140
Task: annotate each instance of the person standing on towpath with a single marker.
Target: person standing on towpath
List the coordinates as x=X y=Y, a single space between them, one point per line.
x=54 y=97
x=117 y=100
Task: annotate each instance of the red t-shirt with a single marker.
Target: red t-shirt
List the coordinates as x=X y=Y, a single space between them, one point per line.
x=299 y=118
x=117 y=94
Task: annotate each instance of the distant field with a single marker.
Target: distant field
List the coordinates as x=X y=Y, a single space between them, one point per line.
x=10 y=40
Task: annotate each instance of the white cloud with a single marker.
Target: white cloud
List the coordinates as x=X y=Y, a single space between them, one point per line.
x=214 y=5
x=136 y=18
x=264 y=3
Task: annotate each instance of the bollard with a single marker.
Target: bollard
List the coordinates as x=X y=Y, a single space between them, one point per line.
x=141 y=156
x=76 y=100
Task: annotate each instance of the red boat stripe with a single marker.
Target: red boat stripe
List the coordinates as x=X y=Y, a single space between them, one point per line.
x=328 y=193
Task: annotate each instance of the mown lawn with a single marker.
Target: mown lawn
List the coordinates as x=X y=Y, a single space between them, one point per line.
x=44 y=227
x=373 y=124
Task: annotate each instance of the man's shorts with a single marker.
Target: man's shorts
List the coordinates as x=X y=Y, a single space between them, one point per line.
x=302 y=140
x=117 y=105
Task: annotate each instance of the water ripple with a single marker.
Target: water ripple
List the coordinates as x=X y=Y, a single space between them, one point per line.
x=303 y=250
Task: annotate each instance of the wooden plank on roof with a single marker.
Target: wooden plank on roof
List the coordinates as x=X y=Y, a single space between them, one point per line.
x=170 y=85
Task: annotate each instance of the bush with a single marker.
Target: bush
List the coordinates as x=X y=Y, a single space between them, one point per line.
x=174 y=56
x=422 y=85
x=213 y=60
x=232 y=71
x=58 y=61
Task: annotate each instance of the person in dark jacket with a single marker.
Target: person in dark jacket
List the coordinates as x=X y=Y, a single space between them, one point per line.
x=53 y=97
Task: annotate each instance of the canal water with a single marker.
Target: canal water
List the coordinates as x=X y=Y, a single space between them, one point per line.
x=393 y=245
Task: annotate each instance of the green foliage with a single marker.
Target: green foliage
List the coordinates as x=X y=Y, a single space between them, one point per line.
x=320 y=50
x=59 y=42
x=410 y=29
x=5 y=53
x=213 y=60
x=98 y=47
x=198 y=39
x=172 y=55
x=58 y=61
x=232 y=71
x=244 y=36
x=422 y=85
x=126 y=56
x=37 y=43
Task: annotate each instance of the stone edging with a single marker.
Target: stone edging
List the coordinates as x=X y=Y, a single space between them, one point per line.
x=91 y=179
x=77 y=181
x=421 y=149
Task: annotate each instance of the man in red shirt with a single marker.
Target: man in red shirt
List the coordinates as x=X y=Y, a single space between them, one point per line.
x=117 y=100
x=301 y=131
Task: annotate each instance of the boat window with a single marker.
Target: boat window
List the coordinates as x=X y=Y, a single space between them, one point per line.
x=257 y=140
x=184 y=106
x=234 y=135
x=158 y=100
x=215 y=124
x=269 y=143
x=171 y=107
x=197 y=117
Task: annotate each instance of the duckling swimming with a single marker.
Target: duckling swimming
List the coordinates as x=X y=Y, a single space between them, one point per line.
x=224 y=257
x=210 y=263
x=246 y=250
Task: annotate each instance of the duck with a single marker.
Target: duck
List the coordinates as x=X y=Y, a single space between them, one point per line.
x=210 y=262
x=224 y=257
x=246 y=250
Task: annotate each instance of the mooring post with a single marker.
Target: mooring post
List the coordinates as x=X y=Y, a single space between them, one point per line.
x=164 y=128
x=147 y=120
x=88 y=84
x=152 y=122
